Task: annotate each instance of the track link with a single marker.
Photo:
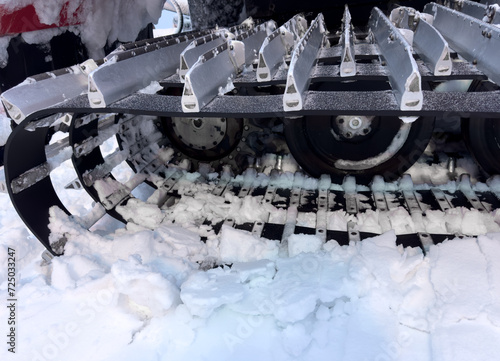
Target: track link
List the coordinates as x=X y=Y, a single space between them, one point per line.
x=296 y=204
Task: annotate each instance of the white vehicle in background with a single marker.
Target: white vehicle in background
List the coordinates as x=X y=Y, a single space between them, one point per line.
x=174 y=13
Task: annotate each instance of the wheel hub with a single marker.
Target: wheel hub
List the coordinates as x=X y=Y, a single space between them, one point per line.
x=351 y=126
x=200 y=133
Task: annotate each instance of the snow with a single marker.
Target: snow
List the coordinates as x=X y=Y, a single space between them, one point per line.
x=4 y=127
x=152 y=88
x=4 y=55
x=241 y=246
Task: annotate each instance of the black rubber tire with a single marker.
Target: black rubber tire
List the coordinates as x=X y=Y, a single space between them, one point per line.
x=318 y=157
x=482 y=137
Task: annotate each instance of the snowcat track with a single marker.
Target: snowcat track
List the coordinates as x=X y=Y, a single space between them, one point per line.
x=29 y=159
x=315 y=203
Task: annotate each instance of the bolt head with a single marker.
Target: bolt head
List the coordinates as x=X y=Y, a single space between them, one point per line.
x=355 y=123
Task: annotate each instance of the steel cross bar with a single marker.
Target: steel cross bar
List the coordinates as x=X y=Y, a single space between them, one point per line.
x=475 y=40
x=303 y=59
x=276 y=47
x=347 y=61
x=486 y=13
x=126 y=72
x=212 y=74
x=428 y=42
x=46 y=89
x=404 y=76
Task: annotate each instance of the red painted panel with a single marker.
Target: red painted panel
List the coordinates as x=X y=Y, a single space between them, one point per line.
x=26 y=19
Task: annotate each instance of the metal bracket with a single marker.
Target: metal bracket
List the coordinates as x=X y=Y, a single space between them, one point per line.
x=270 y=193
x=111 y=161
x=272 y=53
x=221 y=186
x=253 y=40
x=246 y=32
x=126 y=72
x=47 y=257
x=348 y=63
x=404 y=76
x=412 y=202
x=380 y=201
x=426 y=240
x=352 y=233
x=45 y=90
x=197 y=48
x=74 y=184
x=291 y=220
x=351 y=200
x=475 y=40
x=257 y=229
x=321 y=214
x=466 y=188
x=303 y=60
x=30 y=177
x=212 y=74
x=117 y=197
x=441 y=198
x=486 y=13
x=429 y=43
x=295 y=197
x=297 y=26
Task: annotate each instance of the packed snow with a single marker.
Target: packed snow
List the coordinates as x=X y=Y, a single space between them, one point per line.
x=129 y=292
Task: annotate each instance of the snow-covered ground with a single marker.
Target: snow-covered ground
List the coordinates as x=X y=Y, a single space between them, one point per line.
x=126 y=293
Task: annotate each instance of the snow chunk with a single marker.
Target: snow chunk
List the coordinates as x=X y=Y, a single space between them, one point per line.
x=203 y=292
x=4 y=124
x=4 y=55
x=141 y=213
x=303 y=243
x=184 y=243
x=241 y=246
x=250 y=271
x=460 y=280
x=152 y=88
x=464 y=341
x=146 y=291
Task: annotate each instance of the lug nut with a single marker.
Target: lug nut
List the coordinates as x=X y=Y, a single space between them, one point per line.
x=197 y=122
